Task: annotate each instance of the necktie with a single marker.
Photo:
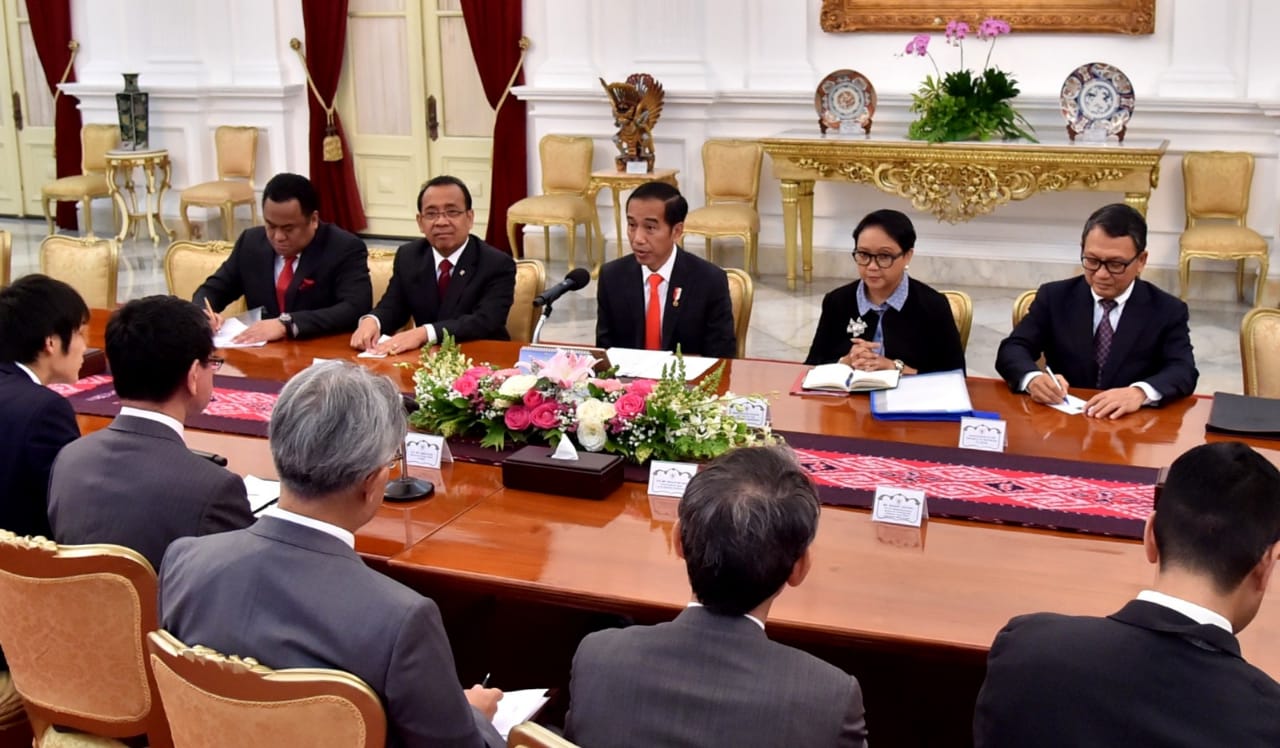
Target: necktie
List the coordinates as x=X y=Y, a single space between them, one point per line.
x=442 y=283
x=1102 y=337
x=653 y=317
x=282 y=283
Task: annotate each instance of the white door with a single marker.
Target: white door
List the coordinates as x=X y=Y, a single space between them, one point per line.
x=26 y=117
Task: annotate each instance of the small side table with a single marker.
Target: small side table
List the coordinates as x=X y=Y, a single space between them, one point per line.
x=617 y=181
x=155 y=168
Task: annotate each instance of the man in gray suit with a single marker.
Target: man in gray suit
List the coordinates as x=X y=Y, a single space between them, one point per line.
x=712 y=676
x=135 y=483
x=291 y=591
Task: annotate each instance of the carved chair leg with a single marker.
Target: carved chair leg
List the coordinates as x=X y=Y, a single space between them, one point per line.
x=511 y=239
x=44 y=200
x=88 y=216
x=186 y=220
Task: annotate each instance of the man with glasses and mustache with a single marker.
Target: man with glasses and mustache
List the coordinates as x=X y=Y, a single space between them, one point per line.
x=1106 y=330
x=448 y=282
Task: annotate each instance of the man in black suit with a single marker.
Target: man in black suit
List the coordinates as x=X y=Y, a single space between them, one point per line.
x=1166 y=669
x=135 y=483
x=1106 y=330
x=660 y=297
x=450 y=282
x=311 y=278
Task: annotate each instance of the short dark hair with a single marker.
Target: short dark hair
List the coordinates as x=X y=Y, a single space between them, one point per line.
x=440 y=181
x=1218 y=513
x=151 y=344
x=31 y=309
x=674 y=206
x=284 y=187
x=1117 y=220
x=892 y=222
x=745 y=520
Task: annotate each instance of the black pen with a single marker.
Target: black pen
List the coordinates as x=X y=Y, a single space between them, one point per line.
x=485 y=683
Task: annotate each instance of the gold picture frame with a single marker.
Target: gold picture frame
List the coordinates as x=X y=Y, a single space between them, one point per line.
x=1079 y=16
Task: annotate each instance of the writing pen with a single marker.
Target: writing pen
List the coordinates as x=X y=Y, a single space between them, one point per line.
x=1054 y=378
x=485 y=683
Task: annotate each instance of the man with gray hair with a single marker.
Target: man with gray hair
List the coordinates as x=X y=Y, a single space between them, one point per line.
x=291 y=591
x=712 y=676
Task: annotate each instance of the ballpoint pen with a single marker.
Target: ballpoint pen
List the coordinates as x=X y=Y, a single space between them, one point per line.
x=485 y=683
x=1054 y=378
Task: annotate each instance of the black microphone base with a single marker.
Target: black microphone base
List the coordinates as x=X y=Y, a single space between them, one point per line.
x=408 y=489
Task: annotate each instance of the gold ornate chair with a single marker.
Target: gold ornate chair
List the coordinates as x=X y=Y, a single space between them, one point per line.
x=531 y=280
x=88 y=264
x=6 y=258
x=731 y=169
x=566 y=174
x=381 y=266
x=91 y=183
x=1216 y=186
x=1260 y=352
x=74 y=629
x=742 y=293
x=1022 y=305
x=962 y=310
x=534 y=735
x=215 y=700
x=188 y=264
x=237 y=156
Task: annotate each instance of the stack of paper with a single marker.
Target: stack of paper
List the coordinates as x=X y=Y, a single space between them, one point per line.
x=262 y=493
x=642 y=364
x=518 y=706
x=940 y=396
x=233 y=326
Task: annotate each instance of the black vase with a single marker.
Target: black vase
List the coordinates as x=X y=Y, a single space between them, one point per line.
x=132 y=105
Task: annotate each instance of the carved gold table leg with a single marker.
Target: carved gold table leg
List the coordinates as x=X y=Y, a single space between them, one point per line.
x=164 y=185
x=790 y=189
x=806 y=227
x=114 y=188
x=149 y=174
x=1137 y=201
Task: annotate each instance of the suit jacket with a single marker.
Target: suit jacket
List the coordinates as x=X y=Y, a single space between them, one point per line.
x=475 y=307
x=330 y=288
x=38 y=422
x=1145 y=676
x=136 y=484
x=701 y=324
x=707 y=679
x=923 y=335
x=1152 y=343
x=292 y=596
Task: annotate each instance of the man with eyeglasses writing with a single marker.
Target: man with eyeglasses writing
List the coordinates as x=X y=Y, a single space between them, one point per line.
x=1106 y=330
x=449 y=281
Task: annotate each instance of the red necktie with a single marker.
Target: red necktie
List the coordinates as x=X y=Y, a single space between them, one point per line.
x=282 y=283
x=442 y=283
x=1102 y=337
x=653 y=317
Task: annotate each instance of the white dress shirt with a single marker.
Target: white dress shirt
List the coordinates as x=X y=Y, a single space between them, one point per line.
x=315 y=524
x=748 y=616
x=30 y=373
x=665 y=272
x=432 y=335
x=1197 y=613
x=152 y=415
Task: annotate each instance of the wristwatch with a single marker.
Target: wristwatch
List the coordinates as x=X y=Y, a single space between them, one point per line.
x=899 y=365
x=290 y=330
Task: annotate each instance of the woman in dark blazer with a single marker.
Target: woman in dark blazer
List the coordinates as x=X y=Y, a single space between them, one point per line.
x=886 y=320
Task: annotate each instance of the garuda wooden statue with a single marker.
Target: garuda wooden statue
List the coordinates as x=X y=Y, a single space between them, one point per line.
x=637 y=105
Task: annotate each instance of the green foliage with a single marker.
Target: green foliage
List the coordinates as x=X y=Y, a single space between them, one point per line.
x=962 y=107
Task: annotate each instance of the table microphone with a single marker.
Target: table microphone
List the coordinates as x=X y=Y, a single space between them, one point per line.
x=574 y=280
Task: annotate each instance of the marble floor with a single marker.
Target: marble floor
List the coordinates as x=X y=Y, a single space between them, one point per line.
x=782 y=321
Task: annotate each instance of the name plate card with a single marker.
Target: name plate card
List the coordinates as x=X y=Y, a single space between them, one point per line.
x=987 y=434
x=670 y=478
x=753 y=411
x=426 y=450
x=899 y=506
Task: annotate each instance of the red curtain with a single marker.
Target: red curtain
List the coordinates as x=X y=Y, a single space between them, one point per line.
x=326 y=32
x=51 y=30
x=494 y=28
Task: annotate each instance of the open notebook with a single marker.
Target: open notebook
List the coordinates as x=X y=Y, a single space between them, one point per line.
x=842 y=378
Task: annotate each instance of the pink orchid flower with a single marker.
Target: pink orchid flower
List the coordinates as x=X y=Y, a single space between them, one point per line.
x=567 y=369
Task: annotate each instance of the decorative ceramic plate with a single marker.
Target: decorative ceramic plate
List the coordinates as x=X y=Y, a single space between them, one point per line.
x=1097 y=96
x=846 y=101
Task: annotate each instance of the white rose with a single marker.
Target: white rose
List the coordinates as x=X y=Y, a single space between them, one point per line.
x=517 y=385
x=595 y=411
x=591 y=435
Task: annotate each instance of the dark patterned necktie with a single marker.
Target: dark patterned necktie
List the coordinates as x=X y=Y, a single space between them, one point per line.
x=1102 y=337
x=442 y=283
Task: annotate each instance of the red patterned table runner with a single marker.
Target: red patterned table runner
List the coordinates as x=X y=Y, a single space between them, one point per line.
x=240 y=405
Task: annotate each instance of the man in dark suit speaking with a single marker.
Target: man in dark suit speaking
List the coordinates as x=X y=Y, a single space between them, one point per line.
x=449 y=282
x=1166 y=669
x=712 y=676
x=1106 y=330
x=311 y=278
x=660 y=297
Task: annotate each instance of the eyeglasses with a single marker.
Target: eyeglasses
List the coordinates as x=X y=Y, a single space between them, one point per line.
x=882 y=260
x=215 y=362
x=1115 y=267
x=453 y=214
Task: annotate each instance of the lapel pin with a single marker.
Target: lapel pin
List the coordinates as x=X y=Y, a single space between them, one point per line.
x=676 y=300
x=462 y=272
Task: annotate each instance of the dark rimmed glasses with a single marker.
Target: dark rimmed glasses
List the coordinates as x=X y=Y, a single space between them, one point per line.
x=215 y=362
x=882 y=260
x=1115 y=267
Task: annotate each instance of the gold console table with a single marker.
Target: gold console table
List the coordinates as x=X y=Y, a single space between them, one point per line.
x=156 y=171
x=954 y=181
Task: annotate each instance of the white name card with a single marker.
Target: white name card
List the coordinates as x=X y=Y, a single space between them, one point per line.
x=426 y=450
x=753 y=411
x=670 y=478
x=899 y=506
x=986 y=434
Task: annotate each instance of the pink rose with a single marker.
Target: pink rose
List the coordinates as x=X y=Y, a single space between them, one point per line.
x=466 y=385
x=641 y=387
x=476 y=372
x=545 y=416
x=608 y=385
x=533 y=399
x=517 y=418
x=629 y=405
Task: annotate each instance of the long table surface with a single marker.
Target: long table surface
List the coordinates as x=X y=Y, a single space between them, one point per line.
x=949 y=588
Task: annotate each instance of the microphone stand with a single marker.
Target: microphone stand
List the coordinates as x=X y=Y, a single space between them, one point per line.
x=537 y=330
x=406 y=487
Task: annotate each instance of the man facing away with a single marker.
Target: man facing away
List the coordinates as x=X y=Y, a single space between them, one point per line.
x=291 y=591
x=659 y=296
x=1166 y=669
x=135 y=483
x=311 y=278
x=448 y=282
x=712 y=676
x=1107 y=329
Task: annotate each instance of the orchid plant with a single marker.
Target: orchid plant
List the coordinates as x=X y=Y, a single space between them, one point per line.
x=960 y=105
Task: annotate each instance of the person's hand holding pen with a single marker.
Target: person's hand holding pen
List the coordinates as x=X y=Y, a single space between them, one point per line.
x=1049 y=389
x=215 y=319
x=483 y=698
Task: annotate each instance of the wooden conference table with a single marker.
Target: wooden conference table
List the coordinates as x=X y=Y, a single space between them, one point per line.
x=949 y=596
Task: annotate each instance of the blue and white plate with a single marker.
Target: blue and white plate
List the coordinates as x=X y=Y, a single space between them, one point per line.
x=845 y=101
x=1097 y=96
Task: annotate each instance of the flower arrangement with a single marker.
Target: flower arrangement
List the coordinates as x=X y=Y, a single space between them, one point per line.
x=960 y=105
x=640 y=420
